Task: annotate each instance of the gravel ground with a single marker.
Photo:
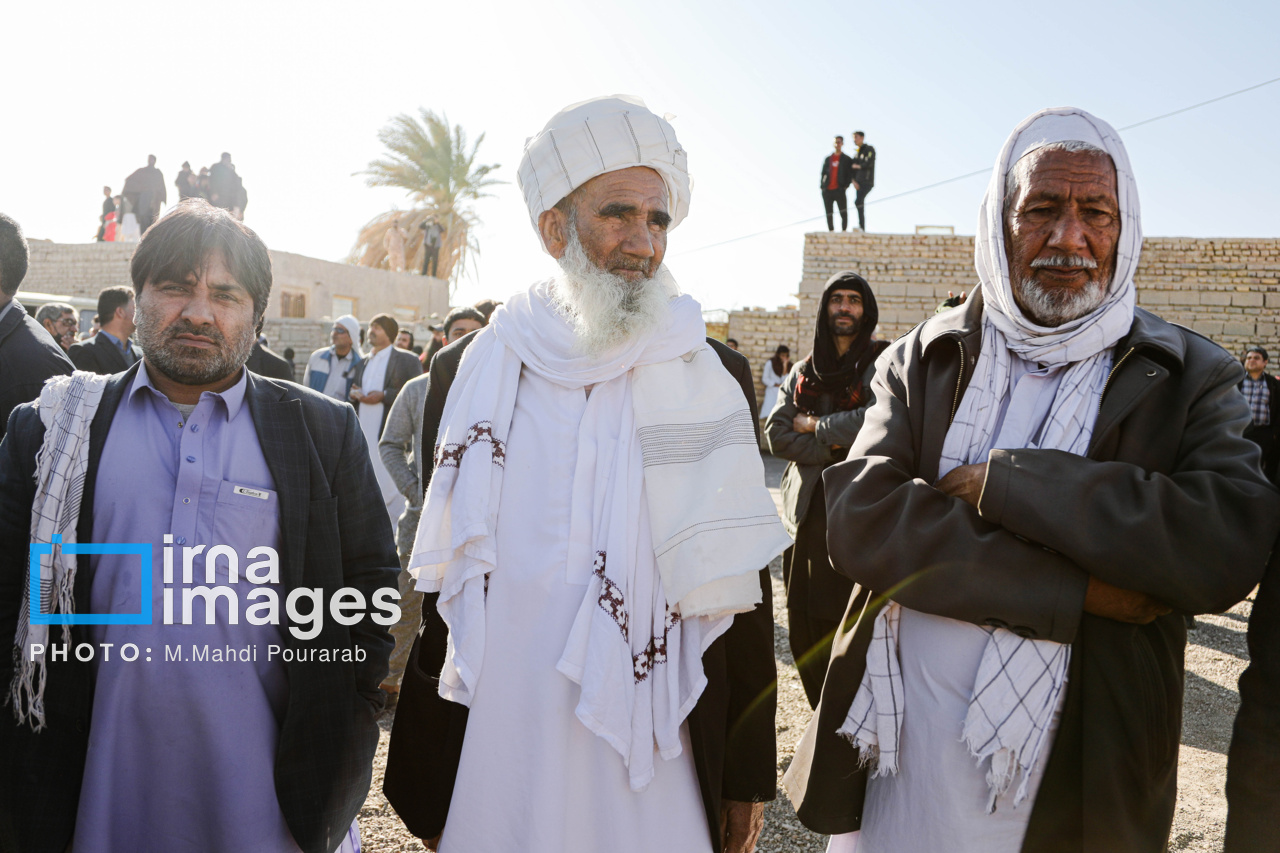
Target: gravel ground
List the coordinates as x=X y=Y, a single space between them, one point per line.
x=1216 y=655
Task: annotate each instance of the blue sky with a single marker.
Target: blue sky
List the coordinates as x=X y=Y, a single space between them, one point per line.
x=298 y=92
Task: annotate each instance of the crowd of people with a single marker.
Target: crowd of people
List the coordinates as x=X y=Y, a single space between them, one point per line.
x=992 y=530
x=125 y=217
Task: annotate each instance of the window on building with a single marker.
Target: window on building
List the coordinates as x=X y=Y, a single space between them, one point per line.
x=293 y=304
x=343 y=305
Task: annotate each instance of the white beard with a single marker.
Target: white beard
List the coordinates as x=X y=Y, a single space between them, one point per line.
x=604 y=308
x=1042 y=306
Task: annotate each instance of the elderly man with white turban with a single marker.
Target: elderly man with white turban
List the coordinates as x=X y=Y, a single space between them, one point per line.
x=592 y=539
x=1049 y=479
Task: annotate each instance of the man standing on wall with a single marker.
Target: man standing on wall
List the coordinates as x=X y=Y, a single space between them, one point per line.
x=864 y=175
x=837 y=172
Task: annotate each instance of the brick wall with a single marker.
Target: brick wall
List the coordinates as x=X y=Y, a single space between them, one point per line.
x=1225 y=288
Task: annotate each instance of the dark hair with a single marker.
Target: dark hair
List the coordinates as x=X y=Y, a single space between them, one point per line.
x=111 y=298
x=177 y=246
x=733 y=341
x=776 y=361
x=14 y=255
x=288 y=353
x=487 y=307
x=387 y=323
x=841 y=138
x=859 y=133
x=1259 y=350
x=464 y=313
x=410 y=334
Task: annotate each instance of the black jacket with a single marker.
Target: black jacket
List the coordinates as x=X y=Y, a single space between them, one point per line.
x=1134 y=512
x=864 y=167
x=334 y=533
x=844 y=173
x=731 y=729
x=265 y=362
x=28 y=356
x=1253 y=764
x=99 y=355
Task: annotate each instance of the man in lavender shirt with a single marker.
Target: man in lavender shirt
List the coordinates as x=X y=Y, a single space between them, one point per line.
x=246 y=719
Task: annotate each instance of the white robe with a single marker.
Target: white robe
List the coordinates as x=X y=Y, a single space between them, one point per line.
x=375 y=374
x=532 y=777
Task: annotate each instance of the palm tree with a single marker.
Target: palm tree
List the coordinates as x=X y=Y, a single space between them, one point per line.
x=432 y=163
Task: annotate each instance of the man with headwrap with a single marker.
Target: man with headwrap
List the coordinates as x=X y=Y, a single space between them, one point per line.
x=820 y=409
x=1049 y=478
x=592 y=536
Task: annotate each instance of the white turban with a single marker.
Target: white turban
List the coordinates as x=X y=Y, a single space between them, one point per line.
x=351 y=324
x=1111 y=320
x=601 y=135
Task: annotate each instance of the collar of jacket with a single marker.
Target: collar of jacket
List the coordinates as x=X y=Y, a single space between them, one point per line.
x=1147 y=332
x=12 y=319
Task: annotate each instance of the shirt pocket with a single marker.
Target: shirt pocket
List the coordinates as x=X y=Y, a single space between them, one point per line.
x=245 y=517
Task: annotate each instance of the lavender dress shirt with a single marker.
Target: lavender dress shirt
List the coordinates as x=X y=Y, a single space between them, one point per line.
x=182 y=751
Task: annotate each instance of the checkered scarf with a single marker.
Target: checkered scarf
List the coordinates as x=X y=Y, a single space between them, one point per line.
x=67 y=405
x=1020 y=681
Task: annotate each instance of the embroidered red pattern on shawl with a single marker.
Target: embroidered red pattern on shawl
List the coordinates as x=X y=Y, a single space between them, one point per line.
x=450 y=455
x=612 y=602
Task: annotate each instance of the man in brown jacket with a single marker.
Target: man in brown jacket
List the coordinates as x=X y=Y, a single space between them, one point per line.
x=1048 y=480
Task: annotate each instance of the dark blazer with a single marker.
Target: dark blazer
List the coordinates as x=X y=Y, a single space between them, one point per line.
x=401 y=367
x=28 y=356
x=334 y=533
x=266 y=362
x=1253 y=764
x=1132 y=511
x=844 y=173
x=100 y=355
x=731 y=728
x=864 y=167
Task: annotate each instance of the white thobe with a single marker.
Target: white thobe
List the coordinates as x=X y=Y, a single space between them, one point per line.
x=938 y=799
x=375 y=374
x=532 y=778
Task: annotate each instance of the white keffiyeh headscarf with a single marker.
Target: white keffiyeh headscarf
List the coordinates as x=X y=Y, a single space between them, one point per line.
x=1020 y=681
x=670 y=522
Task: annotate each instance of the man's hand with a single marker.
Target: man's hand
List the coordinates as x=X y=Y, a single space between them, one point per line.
x=373 y=398
x=1123 y=605
x=740 y=825
x=804 y=423
x=965 y=483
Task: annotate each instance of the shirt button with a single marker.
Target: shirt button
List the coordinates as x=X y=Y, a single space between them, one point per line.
x=191 y=459
x=195 y=427
x=186 y=500
x=179 y=424
x=182 y=540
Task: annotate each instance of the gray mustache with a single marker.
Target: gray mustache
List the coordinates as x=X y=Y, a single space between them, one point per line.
x=1065 y=261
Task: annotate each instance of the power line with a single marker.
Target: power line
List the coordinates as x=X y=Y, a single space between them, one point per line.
x=972 y=174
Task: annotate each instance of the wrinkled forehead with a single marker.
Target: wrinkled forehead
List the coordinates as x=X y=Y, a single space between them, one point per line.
x=1053 y=170
x=637 y=185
